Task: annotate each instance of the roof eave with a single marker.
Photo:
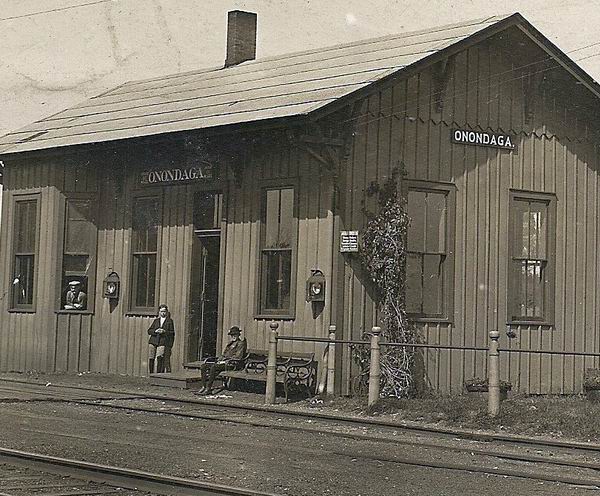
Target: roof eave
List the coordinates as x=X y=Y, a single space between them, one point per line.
x=242 y=127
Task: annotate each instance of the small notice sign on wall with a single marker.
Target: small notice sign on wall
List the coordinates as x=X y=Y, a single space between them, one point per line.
x=481 y=138
x=349 y=242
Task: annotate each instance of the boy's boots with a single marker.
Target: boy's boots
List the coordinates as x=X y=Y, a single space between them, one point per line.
x=151 y=365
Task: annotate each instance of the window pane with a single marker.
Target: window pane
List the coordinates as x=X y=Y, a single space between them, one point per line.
x=433 y=285
x=416 y=212
x=435 y=222
x=286 y=217
x=23 y=281
x=414 y=283
x=530 y=288
x=278 y=269
x=537 y=230
x=279 y=218
x=25 y=228
x=207 y=210
x=81 y=231
x=272 y=218
x=75 y=264
x=145 y=224
x=144 y=270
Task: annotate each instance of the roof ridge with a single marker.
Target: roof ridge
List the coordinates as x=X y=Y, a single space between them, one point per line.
x=364 y=41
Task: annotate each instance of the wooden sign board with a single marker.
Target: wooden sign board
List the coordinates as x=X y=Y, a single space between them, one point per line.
x=200 y=172
x=482 y=138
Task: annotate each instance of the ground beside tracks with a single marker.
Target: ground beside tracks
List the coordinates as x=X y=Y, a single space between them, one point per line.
x=563 y=417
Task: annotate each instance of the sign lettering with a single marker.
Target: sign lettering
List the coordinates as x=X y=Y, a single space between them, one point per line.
x=164 y=176
x=466 y=137
x=349 y=242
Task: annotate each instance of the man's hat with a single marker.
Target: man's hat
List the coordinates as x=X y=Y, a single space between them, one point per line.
x=235 y=330
x=74 y=283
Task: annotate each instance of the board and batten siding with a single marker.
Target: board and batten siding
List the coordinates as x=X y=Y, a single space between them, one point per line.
x=108 y=338
x=403 y=124
x=278 y=166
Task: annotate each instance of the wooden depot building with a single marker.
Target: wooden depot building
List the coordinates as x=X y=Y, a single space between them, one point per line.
x=220 y=192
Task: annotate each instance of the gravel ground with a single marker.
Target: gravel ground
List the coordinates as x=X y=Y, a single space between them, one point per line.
x=266 y=458
x=259 y=458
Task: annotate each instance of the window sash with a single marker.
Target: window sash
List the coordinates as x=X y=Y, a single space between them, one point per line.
x=25 y=270
x=430 y=242
x=277 y=252
x=79 y=249
x=531 y=259
x=144 y=253
x=277 y=272
x=144 y=280
x=25 y=248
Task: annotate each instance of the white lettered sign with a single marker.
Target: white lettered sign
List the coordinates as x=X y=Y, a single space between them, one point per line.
x=349 y=242
x=178 y=174
x=482 y=138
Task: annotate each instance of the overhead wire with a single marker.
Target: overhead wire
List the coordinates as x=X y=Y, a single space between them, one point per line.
x=57 y=9
x=465 y=92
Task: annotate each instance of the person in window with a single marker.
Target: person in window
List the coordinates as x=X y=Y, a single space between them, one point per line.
x=76 y=299
x=231 y=359
x=162 y=336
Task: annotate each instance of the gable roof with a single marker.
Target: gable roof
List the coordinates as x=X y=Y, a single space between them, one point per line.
x=290 y=85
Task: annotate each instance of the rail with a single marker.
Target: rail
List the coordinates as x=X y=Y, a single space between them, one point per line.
x=493 y=351
x=122 y=477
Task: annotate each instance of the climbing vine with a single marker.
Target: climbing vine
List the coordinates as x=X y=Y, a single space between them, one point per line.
x=383 y=255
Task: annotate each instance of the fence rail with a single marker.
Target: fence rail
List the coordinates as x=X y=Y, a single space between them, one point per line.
x=493 y=351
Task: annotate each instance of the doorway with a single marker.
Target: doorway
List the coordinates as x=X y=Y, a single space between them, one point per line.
x=204 y=290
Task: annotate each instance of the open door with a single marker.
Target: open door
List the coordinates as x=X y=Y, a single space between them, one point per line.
x=204 y=296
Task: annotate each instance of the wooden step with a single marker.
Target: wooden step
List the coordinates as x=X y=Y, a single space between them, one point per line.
x=182 y=380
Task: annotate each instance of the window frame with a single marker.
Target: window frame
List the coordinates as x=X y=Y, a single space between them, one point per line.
x=449 y=190
x=261 y=311
x=91 y=285
x=13 y=306
x=132 y=309
x=549 y=292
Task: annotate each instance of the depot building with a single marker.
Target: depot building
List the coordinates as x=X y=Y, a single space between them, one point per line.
x=222 y=192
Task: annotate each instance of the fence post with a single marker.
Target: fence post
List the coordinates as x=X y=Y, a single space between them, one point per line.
x=493 y=375
x=331 y=362
x=375 y=368
x=272 y=365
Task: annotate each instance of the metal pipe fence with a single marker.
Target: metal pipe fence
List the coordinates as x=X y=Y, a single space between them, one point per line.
x=493 y=351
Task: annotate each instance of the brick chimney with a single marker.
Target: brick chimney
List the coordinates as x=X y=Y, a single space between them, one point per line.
x=241 y=37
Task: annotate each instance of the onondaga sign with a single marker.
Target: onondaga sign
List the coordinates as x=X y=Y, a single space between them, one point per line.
x=176 y=175
x=465 y=137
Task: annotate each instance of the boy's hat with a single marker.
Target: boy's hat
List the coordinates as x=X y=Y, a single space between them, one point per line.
x=234 y=331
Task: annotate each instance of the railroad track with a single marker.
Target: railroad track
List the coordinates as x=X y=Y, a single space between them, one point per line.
x=257 y=416
x=23 y=474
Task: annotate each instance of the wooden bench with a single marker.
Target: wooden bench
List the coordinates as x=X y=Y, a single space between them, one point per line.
x=296 y=371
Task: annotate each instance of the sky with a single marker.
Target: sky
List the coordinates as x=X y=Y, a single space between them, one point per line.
x=56 y=53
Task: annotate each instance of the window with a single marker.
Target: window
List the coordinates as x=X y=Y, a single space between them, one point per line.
x=531 y=271
x=145 y=222
x=277 y=250
x=207 y=212
x=79 y=251
x=430 y=260
x=25 y=239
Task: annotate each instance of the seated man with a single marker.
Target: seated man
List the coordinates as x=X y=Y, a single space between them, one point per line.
x=234 y=352
x=75 y=299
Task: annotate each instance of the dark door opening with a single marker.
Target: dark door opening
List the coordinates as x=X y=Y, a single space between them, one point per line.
x=204 y=296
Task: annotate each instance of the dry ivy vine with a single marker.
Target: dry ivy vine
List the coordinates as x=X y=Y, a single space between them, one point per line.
x=383 y=255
